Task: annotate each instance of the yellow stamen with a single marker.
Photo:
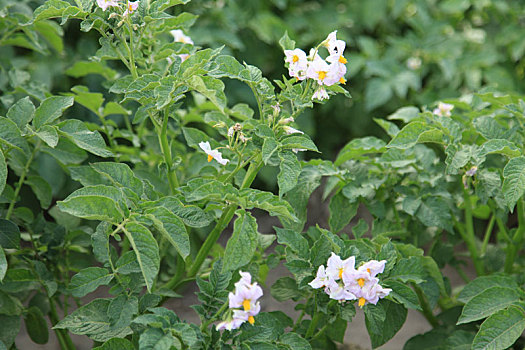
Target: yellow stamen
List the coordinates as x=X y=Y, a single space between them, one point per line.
x=361 y=302
x=130 y=8
x=322 y=75
x=361 y=282
x=246 y=305
x=368 y=270
x=209 y=158
x=342 y=60
x=295 y=58
x=251 y=319
x=342 y=81
x=340 y=273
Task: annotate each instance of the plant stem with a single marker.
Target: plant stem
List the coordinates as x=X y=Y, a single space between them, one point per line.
x=166 y=151
x=315 y=319
x=469 y=237
x=215 y=316
x=488 y=233
x=22 y=179
x=321 y=331
x=63 y=337
x=223 y=222
x=259 y=106
x=132 y=66
x=427 y=311
x=517 y=239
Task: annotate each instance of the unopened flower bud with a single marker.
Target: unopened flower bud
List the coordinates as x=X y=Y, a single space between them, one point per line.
x=472 y=171
x=237 y=127
x=230 y=131
x=113 y=15
x=286 y=120
x=243 y=138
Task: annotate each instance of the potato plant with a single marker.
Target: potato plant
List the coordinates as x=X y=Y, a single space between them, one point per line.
x=130 y=199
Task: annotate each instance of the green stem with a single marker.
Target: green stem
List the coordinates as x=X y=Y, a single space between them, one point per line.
x=223 y=222
x=259 y=106
x=166 y=151
x=215 y=316
x=61 y=333
x=132 y=66
x=470 y=237
x=427 y=311
x=22 y=179
x=517 y=240
x=488 y=233
x=301 y=315
x=321 y=331
x=313 y=323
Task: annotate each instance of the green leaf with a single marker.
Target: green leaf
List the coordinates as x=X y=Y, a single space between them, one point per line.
x=459 y=340
x=498 y=146
x=377 y=92
x=242 y=244
x=434 y=211
x=88 y=280
x=500 y=330
x=487 y=303
x=409 y=270
x=383 y=321
x=483 y=283
x=210 y=87
x=3 y=264
x=17 y=280
x=191 y=215
x=146 y=250
x=270 y=146
x=10 y=135
x=299 y=142
x=404 y=294
x=9 y=330
x=155 y=339
x=41 y=189
x=359 y=147
x=66 y=152
x=9 y=235
x=294 y=240
x=514 y=181
x=172 y=228
x=21 y=112
x=83 y=68
x=91 y=100
x=116 y=344
x=251 y=198
x=3 y=172
x=432 y=340
x=120 y=174
x=416 y=132
x=295 y=341
x=290 y=169
x=341 y=212
x=49 y=135
x=100 y=242
x=51 y=109
x=80 y=135
x=405 y=114
x=93 y=320
x=285 y=288
x=194 y=136
x=94 y=203
x=286 y=43
x=36 y=325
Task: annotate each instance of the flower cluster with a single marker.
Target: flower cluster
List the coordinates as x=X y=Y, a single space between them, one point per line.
x=443 y=109
x=325 y=72
x=342 y=281
x=213 y=153
x=243 y=303
x=180 y=37
x=130 y=7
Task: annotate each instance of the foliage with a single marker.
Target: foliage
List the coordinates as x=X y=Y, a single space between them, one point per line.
x=122 y=177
